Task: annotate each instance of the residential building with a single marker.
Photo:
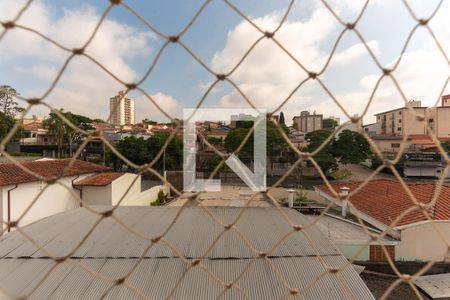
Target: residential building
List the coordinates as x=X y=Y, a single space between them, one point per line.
x=122 y=110
x=18 y=189
x=113 y=188
x=206 y=259
x=371 y=129
x=308 y=122
x=218 y=134
x=424 y=164
x=33 y=120
x=401 y=121
x=438 y=119
x=351 y=238
x=240 y=117
x=413 y=143
x=36 y=134
x=385 y=205
x=392 y=126
x=356 y=127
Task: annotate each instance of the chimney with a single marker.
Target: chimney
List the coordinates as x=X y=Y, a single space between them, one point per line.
x=291 y=198
x=343 y=194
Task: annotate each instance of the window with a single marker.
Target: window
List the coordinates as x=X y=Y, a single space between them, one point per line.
x=400 y=120
x=395 y=145
x=399 y=129
x=400 y=112
x=430 y=120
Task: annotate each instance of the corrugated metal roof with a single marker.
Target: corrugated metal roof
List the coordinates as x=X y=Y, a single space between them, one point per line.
x=112 y=251
x=436 y=286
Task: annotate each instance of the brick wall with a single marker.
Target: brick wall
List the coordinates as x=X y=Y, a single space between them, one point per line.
x=376 y=253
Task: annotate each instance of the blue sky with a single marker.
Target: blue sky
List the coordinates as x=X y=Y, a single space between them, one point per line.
x=220 y=37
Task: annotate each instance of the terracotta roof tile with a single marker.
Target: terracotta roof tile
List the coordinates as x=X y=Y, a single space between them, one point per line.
x=12 y=174
x=386 y=200
x=101 y=179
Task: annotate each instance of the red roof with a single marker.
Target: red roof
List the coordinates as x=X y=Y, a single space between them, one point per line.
x=101 y=179
x=33 y=126
x=54 y=168
x=385 y=200
x=421 y=139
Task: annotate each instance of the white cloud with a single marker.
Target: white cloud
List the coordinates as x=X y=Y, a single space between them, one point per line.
x=170 y=105
x=84 y=88
x=267 y=76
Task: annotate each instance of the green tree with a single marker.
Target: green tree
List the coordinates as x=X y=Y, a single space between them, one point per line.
x=234 y=139
x=214 y=140
x=56 y=128
x=8 y=105
x=275 y=143
x=99 y=121
x=446 y=146
x=329 y=123
x=351 y=147
x=324 y=158
x=140 y=151
x=149 y=122
x=63 y=132
x=6 y=124
x=282 y=121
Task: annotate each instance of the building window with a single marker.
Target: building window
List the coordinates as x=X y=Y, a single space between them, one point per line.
x=399 y=129
x=395 y=145
x=431 y=120
x=400 y=120
x=399 y=112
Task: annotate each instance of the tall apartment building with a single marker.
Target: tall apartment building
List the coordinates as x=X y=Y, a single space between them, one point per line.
x=392 y=125
x=438 y=119
x=308 y=122
x=122 y=110
x=401 y=121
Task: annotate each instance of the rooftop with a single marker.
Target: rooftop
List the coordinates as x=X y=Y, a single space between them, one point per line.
x=342 y=230
x=112 y=251
x=231 y=196
x=386 y=200
x=48 y=169
x=100 y=179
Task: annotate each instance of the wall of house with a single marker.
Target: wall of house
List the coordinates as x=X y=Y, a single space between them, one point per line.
x=390 y=146
x=422 y=242
x=97 y=195
x=121 y=184
x=410 y=123
x=351 y=250
x=422 y=171
x=54 y=199
x=442 y=121
x=144 y=198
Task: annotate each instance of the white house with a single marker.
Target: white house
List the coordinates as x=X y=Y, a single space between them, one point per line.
x=34 y=197
x=385 y=205
x=110 y=188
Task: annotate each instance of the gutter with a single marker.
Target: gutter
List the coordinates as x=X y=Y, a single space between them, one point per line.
x=79 y=190
x=9 y=206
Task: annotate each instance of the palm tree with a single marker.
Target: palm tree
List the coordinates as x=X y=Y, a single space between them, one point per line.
x=57 y=128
